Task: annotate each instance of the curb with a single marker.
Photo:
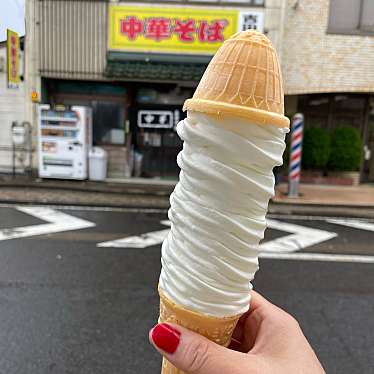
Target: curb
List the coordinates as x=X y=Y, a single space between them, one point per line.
x=84 y=205
x=321 y=210
x=274 y=208
x=142 y=189
x=155 y=196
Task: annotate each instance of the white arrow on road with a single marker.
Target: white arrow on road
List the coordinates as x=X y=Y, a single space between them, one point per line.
x=355 y=223
x=300 y=238
x=57 y=222
x=141 y=241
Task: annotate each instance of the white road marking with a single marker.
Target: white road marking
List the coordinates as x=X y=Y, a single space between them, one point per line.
x=57 y=222
x=142 y=241
x=282 y=249
x=301 y=237
x=355 y=223
x=139 y=241
x=327 y=257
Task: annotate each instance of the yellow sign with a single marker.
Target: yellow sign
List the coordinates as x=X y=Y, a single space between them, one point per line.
x=34 y=97
x=13 y=52
x=170 y=29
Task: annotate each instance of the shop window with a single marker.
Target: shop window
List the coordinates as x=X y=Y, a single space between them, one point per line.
x=315 y=108
x=351 y=17
x=108 y=122
x=331 y=111
x=348 y=111
x=312 y=120
x=107 y=101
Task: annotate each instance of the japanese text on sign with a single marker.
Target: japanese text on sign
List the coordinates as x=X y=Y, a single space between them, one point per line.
x=158 y=28
x=13 y=59
x=170 y=30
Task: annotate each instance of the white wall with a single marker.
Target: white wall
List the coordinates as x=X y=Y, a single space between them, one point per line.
x=12 y=108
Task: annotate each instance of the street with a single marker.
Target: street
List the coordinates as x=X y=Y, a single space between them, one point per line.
x=78 y=287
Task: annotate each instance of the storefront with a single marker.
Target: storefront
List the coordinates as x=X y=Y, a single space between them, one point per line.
x=135 y=123
x=149 y=61
x=170 y=47
x=334 y=110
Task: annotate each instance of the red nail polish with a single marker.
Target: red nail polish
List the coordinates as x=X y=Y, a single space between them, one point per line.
x=166 y=337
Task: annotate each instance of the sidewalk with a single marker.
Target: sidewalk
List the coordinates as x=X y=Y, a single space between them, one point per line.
x=310 y=194
x=325 y=200
x=154 y=193
x=134 y=194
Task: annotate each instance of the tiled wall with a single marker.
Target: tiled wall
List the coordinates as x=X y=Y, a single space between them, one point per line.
x=315 y=61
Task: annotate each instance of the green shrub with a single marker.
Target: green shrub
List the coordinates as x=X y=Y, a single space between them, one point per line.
x=316 y=148
x=346 y=149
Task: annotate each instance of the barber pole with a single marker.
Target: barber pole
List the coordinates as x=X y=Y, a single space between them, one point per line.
x=295 y=154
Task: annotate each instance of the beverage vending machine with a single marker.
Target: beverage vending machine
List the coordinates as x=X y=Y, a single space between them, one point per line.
x=65 y=138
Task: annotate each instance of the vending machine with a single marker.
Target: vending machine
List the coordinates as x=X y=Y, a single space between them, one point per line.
x=65 y=138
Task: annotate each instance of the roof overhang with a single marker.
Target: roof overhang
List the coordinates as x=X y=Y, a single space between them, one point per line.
x=155 y=67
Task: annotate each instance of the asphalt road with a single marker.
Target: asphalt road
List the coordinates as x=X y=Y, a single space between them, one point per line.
x=69 y=304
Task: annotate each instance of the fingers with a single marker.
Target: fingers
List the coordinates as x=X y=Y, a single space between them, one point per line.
x=258 y=301
x=249 y=324
x=192 y=353
x=265 y=323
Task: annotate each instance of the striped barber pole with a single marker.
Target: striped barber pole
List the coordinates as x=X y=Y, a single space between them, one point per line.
x=295 y=154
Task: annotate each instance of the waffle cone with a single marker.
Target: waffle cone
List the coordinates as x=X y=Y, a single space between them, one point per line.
x=243 y=79
x=216 y=329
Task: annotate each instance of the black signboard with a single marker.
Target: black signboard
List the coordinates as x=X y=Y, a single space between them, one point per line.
x=155 y=117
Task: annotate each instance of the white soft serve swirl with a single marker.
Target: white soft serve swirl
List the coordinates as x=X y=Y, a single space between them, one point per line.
x=218 y=212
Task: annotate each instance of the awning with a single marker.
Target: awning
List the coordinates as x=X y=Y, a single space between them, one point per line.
x=155 y=67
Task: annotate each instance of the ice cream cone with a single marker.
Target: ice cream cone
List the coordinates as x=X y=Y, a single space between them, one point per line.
x=216 y=329
x=243 y=79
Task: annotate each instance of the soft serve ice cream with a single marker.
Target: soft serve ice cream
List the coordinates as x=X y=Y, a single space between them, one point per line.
x=218 y=212
x=233 y=137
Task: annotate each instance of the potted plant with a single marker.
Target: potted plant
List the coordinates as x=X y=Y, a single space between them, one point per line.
x=346 y=153
x=316 y=152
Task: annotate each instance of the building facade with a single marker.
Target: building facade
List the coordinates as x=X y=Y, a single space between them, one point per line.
x=327 y=61
x=136 y=63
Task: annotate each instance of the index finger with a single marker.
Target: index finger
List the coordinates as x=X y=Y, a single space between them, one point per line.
x=258 y=301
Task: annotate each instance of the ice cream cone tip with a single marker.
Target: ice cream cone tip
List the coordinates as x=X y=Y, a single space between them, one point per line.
x=243 y=79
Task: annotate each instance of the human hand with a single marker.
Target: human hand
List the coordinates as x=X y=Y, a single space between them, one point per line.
x=266 y=340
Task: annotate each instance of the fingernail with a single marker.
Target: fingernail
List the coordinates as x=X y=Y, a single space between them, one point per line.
x=165 y=337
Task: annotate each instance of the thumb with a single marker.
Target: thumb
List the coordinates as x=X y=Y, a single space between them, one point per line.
x=193 y=353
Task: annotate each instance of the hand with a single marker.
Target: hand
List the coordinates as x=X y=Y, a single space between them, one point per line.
x=267 y=340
